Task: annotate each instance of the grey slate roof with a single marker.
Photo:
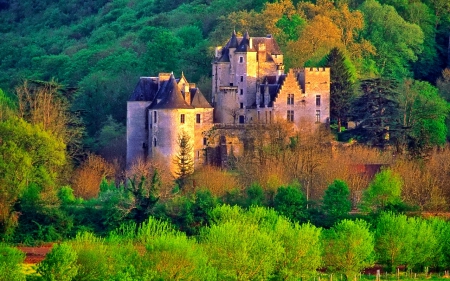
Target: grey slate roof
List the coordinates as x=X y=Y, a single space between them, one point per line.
x=171 y=96
x=145 y=89
x=242 y=44
x=198 y=100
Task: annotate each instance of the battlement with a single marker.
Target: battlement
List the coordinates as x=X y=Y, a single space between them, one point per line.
x=312 y=69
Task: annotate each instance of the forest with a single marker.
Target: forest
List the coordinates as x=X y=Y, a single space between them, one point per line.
x=68 y=67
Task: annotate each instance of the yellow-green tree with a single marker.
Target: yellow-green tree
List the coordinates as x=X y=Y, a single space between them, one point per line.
x=28 y=155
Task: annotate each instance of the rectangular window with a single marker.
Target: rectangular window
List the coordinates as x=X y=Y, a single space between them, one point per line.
x=241 y=105
x=155 y=117
x=317 y=116
x=290 y=99
x=290 y=116
x=197 y=118
x=242 y=78
x=182 y=119
x=242 y=92
x=318 y=100
x=205 y=141
x=241 y=59
x=241 y=119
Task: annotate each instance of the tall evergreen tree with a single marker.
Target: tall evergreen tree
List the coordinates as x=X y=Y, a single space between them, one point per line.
x=377 y=112
x=341 y=88
x=184 y=159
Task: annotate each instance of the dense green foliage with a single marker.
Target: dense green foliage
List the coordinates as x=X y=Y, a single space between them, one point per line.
x=140 y=229
x=102 y=47
x=240 y=244
x=11 y=260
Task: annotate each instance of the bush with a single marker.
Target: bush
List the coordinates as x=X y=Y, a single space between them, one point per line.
x=59 y=265
x=11 y=260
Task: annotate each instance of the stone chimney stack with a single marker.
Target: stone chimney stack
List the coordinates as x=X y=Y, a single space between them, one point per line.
x=187 y=94
x=262 y=52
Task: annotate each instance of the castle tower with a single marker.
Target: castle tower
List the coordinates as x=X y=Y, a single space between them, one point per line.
x=170 y=118
x=236 y=69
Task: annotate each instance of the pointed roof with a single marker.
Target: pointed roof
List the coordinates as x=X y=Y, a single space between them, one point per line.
x=244 y=46
x=171 y=96
x=198 y=99
x=233 y=43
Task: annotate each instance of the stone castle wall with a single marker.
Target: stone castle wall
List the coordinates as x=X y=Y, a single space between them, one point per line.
x=137 y=138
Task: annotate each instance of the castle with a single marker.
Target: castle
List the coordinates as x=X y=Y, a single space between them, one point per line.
x=249 y=86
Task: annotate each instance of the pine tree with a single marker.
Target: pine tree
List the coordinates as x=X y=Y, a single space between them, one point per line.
x=341 y=88
x=184 y=159
x=377 y=112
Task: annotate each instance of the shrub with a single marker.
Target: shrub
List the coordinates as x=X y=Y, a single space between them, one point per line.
x=59 y=265
x=11 y=260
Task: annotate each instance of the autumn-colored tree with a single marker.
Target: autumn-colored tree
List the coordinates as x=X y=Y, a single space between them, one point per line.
x=45 y=104
x=87 y=178
x=218 y=181
x=318 y=37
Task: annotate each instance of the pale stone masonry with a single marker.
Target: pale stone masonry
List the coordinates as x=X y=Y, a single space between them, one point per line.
x=249 y=87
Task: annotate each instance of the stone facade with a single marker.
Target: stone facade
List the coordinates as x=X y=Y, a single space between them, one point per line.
x=161 y=110
x=249 y=85
x=249 y=88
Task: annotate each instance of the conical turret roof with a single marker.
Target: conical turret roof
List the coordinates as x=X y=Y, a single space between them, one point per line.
x=171 y=96
x=244 y=46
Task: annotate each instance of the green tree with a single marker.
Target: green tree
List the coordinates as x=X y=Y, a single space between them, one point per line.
x=424 y=246
x=59 y=265
x=336 y=201
x=341 y=88
x=184 y=158
x=28 y=155
x=291 y=203
x=11 y=260
x=240 y=250
x=398 y=43
x=7 y=106
x=394 y=238
x=376 y=112
x=424 y=115
x=177 y=257
x=384 y=190
x=302 y=255
x=441 y=229
x=349 y=248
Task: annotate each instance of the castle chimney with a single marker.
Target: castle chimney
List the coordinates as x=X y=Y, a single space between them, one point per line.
x=187 y=94
x=262 y=52
x=163 y=77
